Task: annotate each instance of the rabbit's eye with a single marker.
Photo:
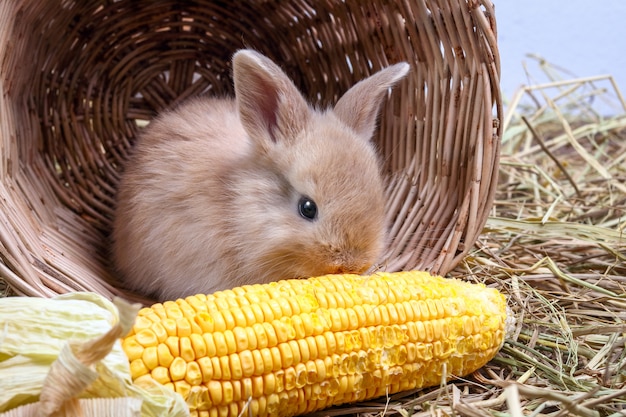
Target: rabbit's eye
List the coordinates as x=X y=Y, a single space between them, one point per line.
x=307 y=208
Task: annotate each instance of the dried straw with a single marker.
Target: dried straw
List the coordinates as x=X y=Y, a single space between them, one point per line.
x=79 y=79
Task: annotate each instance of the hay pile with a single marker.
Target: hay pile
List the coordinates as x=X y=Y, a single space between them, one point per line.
x=556 y=244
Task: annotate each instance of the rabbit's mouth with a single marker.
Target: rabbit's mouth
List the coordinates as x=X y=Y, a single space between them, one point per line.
x=302 y=260
x=346 y=268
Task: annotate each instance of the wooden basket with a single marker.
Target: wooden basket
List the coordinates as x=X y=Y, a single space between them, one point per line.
x=79 y=78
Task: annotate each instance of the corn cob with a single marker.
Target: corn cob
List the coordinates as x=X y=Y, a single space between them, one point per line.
x=296 y=346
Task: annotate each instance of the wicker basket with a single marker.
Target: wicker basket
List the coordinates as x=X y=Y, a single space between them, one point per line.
x=78 y=79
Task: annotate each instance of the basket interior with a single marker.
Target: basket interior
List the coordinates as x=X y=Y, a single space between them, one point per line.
x=80 y=78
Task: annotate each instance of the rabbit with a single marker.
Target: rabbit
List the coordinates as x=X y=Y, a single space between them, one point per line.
x=222 y=192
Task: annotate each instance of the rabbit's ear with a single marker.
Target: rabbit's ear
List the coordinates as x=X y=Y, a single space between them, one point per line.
x=270 y=106
x=358 y=107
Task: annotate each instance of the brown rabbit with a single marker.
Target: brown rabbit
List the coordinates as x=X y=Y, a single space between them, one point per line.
x=221 y=193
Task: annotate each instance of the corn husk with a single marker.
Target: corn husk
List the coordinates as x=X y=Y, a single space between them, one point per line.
x=62 y=356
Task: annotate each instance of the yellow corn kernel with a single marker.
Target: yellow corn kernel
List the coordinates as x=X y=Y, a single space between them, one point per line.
x=132 y=348
x=221 y=345
x=172 y=344
x=205 y=321
x=217 y=367
x=183 y=326
x=185 y=307
x=183 y=388
x=245 y=338
x=193 y=375
x=161 y=375
x=178 y=369
x=215 y=391
x=236 y=368
x=224 y=366
x=206 y=367
x=198 y=345
x=284 y=329
x=296 y=346
x=248 y=366
x=150 y=357
x=159 y=331
x=186 y=350
x=143 y=322
x=138 y=368
x=147 y=338
x=219 y=323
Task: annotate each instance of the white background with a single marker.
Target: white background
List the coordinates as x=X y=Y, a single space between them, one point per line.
x=585 y=37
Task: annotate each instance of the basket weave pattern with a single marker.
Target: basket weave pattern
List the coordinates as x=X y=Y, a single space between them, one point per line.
x=78 y=79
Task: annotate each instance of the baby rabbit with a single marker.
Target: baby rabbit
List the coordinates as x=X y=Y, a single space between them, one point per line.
x=221 y=193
